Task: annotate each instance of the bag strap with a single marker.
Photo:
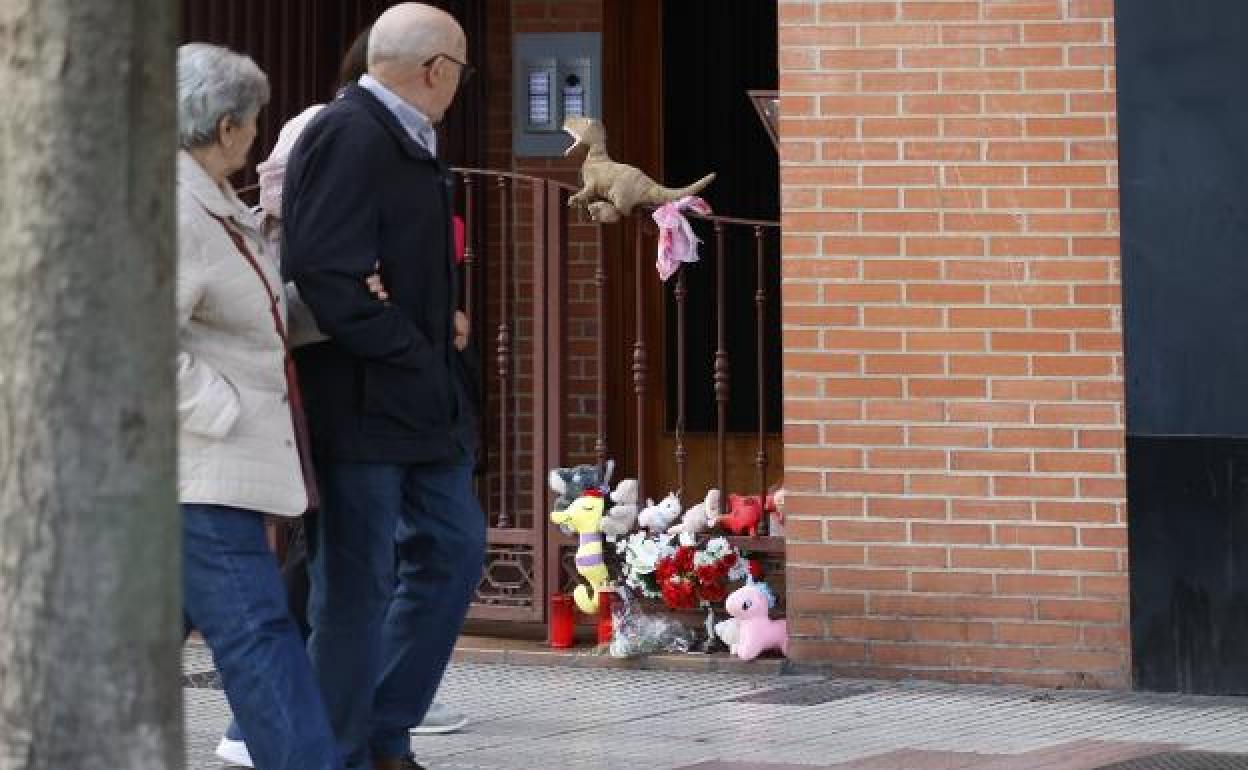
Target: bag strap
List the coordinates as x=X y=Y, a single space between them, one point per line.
x=275 y=307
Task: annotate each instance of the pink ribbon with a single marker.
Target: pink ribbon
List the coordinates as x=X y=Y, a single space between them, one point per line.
x=677 y=243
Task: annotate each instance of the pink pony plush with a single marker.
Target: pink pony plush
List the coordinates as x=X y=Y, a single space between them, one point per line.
x=756 y=632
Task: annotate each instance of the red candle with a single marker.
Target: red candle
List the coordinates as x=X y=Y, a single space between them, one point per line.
x=605 y=630
x=562 y=621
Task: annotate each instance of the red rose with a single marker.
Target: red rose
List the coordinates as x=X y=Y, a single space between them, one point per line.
x=679 y=594
x=665 y=570
x=729 y=558
x=707 y=574
x=684 y=558
x=712 y=592
x=756 y=569
x=688 y=596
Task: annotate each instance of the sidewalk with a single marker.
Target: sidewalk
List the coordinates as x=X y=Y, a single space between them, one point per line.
x=548 y=718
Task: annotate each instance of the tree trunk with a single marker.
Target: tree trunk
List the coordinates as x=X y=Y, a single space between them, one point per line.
x=90 y=625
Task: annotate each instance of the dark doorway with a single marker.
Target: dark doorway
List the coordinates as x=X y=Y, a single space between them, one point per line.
x=1183 y=121
x=713 y=54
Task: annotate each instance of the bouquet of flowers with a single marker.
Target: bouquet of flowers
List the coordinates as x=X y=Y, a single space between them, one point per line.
x=679 y=571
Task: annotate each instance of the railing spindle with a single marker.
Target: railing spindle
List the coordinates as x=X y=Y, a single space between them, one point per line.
x=503 y=351
x=722 y=378
x=639 y=356
x=682 y=453
x=600 y=284
x=760 y=306
x=470 y=258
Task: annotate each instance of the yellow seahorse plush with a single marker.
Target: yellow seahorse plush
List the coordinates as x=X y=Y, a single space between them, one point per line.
x=584 y=516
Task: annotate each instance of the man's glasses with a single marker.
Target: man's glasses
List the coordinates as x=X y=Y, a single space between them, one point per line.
x=466 y=70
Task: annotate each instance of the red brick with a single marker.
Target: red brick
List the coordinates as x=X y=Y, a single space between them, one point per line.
x=1036 y=633
x=982 y=222
x=983 y=128
x=899 y=82
x=991 y=558
x=860 y=246
x=991 y=461
x=1028 y=247
x=941 y=104
x=826 y=602
x=1023 y=57
x=948 y=436
x=936 y=58
x=1073 y=366
x=906 y=458
x=945 y=341
x=824 y=554
x=1040 y=438
x=1079 y=511
x=954 y=34
x=905 y=411
x=1051 y=390
x=951 y=534
x=944 y=246
x=1077 y=414
x=940 y=11
x=987 y=411
x=1027 y=199
x=981 y=80
x=856 y=59
x=1050 y=342
x=1077 y=560
x=1026 y=151
x=838 y=530
x=851 y=11
x=953 y=485
x=961 y=176
x=1024 y=9
x=1033 y=486
x=945 y=293
x=1080 y=609
x=909 y=507
x=1068 y=32
x=904 y=364
x=899 y=222
x=821 y=128
x=902 y=316
x=906 y=556
x=952 y=582
x=939 y=387
x=852 y=105
x=875 y=128
x=1076 y=462
x=899 y=34
x=948 y=151
x=1108 y=537
x=1025 y=104
x=895 y=175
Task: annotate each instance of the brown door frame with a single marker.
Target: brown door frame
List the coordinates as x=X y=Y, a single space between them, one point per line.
x=633 y=112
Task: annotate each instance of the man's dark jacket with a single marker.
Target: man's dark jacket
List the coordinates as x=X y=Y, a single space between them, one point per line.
x=389 y=386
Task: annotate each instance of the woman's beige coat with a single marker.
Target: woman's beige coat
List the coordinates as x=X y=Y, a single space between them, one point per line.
x=236 y=442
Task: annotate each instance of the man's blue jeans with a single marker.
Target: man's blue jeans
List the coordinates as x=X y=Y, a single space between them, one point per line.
x=233 y=594
x=377 y=622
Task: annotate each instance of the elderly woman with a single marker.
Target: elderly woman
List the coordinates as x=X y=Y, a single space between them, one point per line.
x=239 y=437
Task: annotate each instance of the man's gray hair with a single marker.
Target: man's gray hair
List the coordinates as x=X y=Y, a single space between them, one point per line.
x=213 y=83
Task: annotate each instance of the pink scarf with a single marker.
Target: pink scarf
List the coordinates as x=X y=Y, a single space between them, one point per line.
x=677 y=243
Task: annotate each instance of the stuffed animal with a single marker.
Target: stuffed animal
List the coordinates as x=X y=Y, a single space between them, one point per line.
x=622 y=516
x=700 y=517
x=774 y=508
x=570 y=483
x=756 y=631
x=743 y=515
x=611 y=190
x=657 y=518
x=584 y=516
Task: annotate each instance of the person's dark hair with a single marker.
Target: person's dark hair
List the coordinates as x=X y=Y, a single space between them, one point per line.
x=355 y=61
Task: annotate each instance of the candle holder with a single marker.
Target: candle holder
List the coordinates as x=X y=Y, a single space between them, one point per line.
x=562 y=627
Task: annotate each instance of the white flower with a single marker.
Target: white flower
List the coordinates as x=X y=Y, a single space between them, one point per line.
x=688 y=538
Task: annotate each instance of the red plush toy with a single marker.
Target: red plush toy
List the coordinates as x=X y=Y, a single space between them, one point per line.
x=743 y=515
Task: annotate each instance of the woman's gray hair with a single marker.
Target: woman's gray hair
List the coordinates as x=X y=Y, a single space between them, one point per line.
x=213 y=83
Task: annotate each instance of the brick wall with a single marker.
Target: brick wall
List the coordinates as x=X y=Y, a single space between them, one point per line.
x=953 y=391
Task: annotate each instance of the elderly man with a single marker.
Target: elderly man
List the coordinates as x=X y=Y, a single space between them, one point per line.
x=390 y=394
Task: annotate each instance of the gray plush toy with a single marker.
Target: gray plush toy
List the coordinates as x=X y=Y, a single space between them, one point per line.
x=570 y=483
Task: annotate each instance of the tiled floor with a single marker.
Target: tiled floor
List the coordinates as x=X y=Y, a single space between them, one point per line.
x=528 y=717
